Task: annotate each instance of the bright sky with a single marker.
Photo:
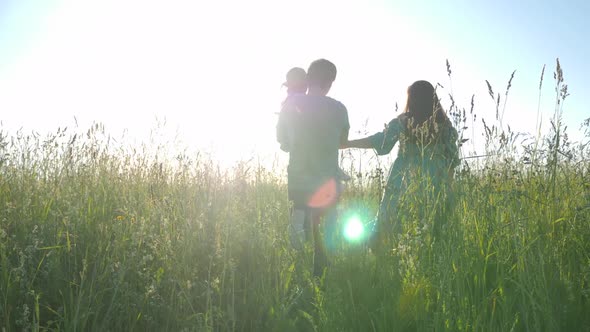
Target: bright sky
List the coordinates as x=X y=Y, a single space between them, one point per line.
x=213 y=69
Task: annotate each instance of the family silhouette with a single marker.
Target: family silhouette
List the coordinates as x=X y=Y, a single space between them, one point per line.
x=313 y=127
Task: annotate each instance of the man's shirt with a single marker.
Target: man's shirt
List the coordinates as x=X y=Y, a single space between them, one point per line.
x=311 y=129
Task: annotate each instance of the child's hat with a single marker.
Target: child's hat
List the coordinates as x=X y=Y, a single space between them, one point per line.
x=295 y=77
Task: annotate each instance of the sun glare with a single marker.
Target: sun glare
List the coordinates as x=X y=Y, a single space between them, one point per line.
x=216 y=85
x=354 y=229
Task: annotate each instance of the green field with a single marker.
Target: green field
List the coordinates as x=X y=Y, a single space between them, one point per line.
x=96 y=238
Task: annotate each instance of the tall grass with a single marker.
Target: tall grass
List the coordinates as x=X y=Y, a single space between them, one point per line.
x=95 y=236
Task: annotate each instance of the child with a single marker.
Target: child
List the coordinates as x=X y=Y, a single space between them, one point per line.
x=296 y=82
x=296 y=85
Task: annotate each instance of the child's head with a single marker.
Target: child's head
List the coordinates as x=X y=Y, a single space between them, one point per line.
x=296 y=80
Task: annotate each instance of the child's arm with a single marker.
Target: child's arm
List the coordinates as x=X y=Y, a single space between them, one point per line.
x=282 y=131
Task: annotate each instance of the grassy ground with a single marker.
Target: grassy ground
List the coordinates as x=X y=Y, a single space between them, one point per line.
x=95 y=239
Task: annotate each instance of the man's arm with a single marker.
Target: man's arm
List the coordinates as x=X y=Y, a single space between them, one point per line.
x=344 y=138
x=345 y=129
x=362 y=143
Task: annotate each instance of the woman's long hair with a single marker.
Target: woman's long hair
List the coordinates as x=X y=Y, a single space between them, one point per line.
x=423 y=109
x=423 y=103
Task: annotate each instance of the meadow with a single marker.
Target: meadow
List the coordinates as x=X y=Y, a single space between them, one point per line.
x=95 y=236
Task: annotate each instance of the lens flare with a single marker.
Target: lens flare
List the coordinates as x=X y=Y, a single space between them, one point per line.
x=325 y=196
x=354 y=229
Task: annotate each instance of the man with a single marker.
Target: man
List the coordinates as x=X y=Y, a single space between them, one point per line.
x=317 y=126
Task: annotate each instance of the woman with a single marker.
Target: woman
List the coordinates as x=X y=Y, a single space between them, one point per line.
x=426 y=158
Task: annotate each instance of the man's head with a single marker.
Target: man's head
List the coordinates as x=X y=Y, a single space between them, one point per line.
x=320 y=75
x=296 y=80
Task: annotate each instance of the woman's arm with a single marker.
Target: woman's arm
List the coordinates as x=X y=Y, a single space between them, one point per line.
x=362 y=143
x=382 y=142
